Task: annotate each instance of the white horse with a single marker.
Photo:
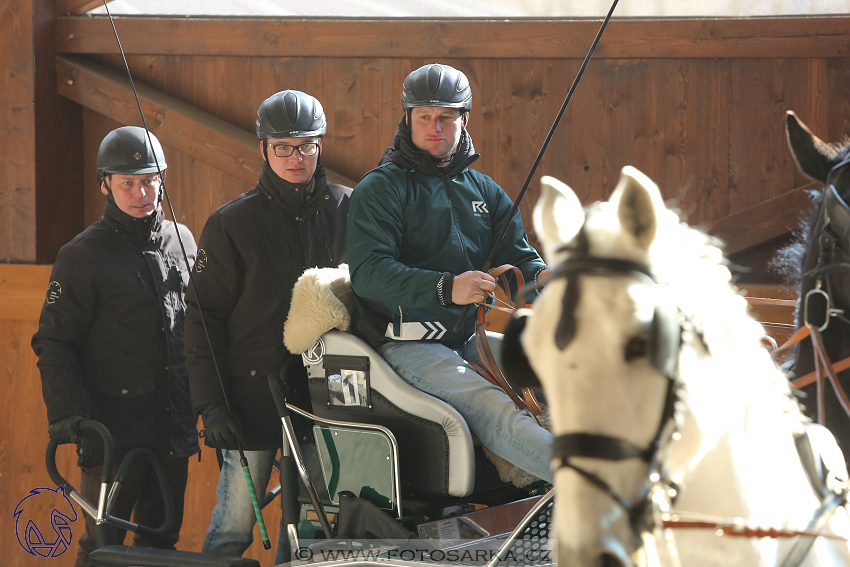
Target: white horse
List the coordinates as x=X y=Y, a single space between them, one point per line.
x=665 y=405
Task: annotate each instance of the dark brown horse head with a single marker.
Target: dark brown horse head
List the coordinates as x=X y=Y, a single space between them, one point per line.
x=825 y=263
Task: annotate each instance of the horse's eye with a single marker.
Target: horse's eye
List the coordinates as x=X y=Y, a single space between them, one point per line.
x=637 y=347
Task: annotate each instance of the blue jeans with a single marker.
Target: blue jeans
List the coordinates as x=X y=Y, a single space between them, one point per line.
x=231 y=529
x=491 y=415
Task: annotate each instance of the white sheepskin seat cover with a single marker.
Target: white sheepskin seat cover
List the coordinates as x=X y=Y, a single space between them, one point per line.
x=321 y=301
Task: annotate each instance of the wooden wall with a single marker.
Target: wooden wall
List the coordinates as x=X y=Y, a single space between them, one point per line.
x=696 y=104
x=703 y=115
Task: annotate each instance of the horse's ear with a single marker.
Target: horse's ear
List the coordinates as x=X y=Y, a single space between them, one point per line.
x=558 y=216
x=814 y=156
x=638 y=202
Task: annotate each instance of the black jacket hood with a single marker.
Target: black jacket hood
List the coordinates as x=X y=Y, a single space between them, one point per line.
x=406 y=154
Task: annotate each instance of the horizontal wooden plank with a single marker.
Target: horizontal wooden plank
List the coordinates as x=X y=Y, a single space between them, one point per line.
x=773 y=306
x=22 y=290
x=175 y=123
x=77 y=7
x=762 y=222
x=770 y=293
x=289 y=37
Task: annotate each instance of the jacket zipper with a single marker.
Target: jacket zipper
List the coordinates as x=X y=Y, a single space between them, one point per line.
x=330 y=255
x=144 y=295
x=454 y=220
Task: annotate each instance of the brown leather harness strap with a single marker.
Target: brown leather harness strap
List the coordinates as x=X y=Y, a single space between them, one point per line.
x=824 y=368
x=798 y=336
x=737 y=529
x=492 y=372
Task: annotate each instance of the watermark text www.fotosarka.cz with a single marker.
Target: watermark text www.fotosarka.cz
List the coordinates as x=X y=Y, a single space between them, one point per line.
x=460 y=552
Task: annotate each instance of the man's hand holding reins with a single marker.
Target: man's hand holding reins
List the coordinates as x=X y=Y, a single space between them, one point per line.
x=472 y=287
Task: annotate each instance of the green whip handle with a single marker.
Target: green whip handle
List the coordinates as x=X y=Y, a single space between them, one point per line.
x=266 y=543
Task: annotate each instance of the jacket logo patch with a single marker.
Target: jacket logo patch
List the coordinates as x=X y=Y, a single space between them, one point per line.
x=54 y=292
x=201 y=261
x=480 y=208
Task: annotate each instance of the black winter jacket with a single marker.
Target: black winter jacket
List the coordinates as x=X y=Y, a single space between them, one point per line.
x=252 y=251
x=110 y=337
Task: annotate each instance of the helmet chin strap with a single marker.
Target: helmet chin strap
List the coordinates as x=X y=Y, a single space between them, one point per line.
x=161 y=192
x=109 y=196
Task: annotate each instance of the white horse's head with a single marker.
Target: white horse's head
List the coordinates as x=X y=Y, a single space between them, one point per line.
x=639 y=318
x=600 y=331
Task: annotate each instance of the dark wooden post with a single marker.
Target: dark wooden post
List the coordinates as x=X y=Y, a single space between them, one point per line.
x=59 y=183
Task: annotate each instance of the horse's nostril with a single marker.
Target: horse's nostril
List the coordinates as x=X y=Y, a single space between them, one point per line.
x=608 y=560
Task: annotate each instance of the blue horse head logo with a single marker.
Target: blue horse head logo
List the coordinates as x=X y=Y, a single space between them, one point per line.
x=30 y=536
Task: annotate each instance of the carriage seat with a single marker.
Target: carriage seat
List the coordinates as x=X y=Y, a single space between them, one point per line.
x=349 y=381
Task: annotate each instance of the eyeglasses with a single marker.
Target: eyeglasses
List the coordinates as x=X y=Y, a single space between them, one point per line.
x=285 y=150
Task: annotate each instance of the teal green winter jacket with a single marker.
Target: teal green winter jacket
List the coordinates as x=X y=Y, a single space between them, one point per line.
x=406 y=228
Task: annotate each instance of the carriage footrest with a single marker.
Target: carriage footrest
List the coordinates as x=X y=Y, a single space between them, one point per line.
x=124 y=556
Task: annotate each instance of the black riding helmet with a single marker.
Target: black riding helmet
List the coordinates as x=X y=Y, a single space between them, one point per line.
x=290 y=114
x=436 y=85
x=126 y=151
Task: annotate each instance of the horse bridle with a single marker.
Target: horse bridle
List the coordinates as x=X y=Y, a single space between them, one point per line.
x=597 y=446
x=642 y=513
x=835 y=232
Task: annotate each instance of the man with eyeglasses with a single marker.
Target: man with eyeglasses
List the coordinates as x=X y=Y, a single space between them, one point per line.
x=252 y=251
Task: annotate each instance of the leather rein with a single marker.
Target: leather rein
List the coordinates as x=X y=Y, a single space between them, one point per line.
x=491 y=371
x=824 y=367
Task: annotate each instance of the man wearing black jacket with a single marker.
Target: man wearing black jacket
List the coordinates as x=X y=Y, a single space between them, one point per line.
x=252 y=251
x=110 y=338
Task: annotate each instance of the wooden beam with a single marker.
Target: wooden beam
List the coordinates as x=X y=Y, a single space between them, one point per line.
x=767 y=220
x=661 y=38
x=183 y=126
x=77 y=7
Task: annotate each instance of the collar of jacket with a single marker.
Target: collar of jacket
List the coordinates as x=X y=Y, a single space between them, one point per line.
x=290 y=196
x=138 y=231
x=407 y=155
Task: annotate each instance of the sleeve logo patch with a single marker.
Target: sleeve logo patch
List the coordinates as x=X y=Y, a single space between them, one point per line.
x=201 y=261
x=54 y=292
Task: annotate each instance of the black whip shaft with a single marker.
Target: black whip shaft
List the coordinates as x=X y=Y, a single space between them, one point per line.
x=242 y=459
x=488 y=263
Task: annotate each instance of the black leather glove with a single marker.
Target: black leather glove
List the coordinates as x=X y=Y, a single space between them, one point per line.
x=65 y=430
x=221 y=430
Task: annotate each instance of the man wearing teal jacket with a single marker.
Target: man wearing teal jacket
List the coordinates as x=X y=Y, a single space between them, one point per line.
x=419 y=226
